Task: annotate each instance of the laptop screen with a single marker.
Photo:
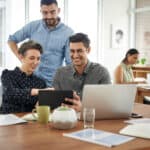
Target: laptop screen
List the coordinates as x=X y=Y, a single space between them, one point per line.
x=110 y=100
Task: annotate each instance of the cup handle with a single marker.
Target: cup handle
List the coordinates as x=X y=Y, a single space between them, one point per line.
x=33 y=113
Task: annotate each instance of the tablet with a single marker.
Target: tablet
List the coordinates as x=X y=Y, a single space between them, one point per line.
x=54 y=98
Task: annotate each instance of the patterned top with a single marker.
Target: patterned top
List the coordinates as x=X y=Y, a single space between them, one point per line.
x=55 y=43
x=67 y=78
x=127 y=73
x=17 y=91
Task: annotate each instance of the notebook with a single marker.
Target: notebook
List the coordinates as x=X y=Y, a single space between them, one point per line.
x=111 y=101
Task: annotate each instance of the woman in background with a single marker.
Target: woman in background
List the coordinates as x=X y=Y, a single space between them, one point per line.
x=21 y=86
x=123 y=72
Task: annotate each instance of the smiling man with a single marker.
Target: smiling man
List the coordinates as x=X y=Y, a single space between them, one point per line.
x=52 y=34
x=82 y=71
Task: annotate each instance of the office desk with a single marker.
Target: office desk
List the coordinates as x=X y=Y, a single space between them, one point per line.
x=141 y=71
x=36 y=136
x=141 y=92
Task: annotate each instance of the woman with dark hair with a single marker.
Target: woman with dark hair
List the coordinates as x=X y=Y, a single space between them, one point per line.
x=21 y=86
x=123 y=72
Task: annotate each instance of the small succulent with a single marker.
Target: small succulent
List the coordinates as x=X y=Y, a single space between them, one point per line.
x=63 y=108
x=143 y=60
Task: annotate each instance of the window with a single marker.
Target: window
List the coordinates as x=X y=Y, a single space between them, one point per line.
x=2 y=30
x=142 y=28
x=14 y=20
x=84 y=19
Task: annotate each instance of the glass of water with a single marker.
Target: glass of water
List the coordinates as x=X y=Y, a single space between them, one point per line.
x=89 y=117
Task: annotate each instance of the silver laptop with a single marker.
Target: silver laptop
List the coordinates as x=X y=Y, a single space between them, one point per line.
x=111 y=101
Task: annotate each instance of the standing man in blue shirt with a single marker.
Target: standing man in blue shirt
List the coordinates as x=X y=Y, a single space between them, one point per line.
x=52 y=34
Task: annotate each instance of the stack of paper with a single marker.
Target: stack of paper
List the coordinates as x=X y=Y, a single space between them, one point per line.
x=140 y=120
x=10 y=119
x=99 y=137
x=140 y=79
x=144 y=86
x=29 y=117
x=138 y=130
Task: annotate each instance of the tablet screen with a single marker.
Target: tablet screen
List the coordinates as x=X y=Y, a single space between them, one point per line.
x=54 y=98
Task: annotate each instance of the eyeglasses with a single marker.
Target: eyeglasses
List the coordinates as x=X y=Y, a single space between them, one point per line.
x=78 y=51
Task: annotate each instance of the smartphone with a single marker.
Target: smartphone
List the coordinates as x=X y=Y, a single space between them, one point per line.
x=135 y=115
x=54 y=98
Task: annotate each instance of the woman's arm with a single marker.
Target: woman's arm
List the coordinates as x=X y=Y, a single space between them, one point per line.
x=12 y=90
x=118 y=75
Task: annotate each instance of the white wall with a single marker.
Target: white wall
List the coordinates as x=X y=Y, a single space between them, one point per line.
x=115 y=15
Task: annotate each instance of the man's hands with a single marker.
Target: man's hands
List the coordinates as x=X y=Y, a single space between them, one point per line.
x=77 y=105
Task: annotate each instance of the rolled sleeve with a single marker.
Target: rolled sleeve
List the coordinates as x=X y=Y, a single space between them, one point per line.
x=21 y=34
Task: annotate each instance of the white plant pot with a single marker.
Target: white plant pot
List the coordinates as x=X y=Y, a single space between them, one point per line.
x=64 y=118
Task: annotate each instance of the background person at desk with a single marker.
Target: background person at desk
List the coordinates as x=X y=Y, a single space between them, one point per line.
x=81 y=71
x=21 y=86
x=52 y=34
x=123 y=72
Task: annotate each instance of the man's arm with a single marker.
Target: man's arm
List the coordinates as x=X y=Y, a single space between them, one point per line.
x=56 y=80
x=67 y=53
x=76 y=102
x=13 y=46
x=67 y=49
x=104 y=76
x=19 y=36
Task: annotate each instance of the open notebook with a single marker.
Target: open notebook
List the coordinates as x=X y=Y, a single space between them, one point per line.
x=137 y=130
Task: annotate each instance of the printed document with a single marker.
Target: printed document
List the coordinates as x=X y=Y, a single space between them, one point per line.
x=99 y=137
x=137 y=130
x=10 y=119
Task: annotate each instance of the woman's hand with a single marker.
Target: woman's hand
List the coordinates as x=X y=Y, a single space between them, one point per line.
x=35 y=92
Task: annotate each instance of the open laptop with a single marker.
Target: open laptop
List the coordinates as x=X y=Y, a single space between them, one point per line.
x=111 y=101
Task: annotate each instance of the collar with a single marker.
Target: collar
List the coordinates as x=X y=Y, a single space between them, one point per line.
x=85 y=70
x=127 y=66
x=57 y=26
x=18 y=71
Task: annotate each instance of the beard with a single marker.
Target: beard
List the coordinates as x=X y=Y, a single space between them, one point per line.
x=51 y=22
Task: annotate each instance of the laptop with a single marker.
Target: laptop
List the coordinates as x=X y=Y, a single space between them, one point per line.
x=54 y=98
x=111 y=101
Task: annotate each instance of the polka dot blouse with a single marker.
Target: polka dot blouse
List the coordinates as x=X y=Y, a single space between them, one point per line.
x=17 y=91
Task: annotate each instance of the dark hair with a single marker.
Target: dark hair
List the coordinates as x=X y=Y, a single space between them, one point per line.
x=30 y=45
x=80 y=37
x=48 y=2
x=130 y=52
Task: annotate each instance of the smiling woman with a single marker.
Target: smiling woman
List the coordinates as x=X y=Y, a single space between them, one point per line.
x=21 y=86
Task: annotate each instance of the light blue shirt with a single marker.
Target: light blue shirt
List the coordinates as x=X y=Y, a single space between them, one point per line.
x=55 y=43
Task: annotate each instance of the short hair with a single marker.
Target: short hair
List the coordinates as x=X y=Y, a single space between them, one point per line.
x=131 y=51
x=29 y=45
x=80 y=37
x=48 y=2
